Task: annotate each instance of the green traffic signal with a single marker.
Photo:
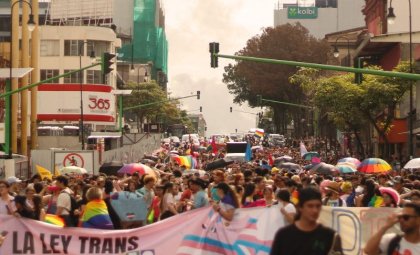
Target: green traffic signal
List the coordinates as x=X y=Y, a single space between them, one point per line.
x=107 y=62
x=214 y=49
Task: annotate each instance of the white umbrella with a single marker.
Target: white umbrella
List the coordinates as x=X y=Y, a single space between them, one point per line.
x=73 y=170
x=412 y=164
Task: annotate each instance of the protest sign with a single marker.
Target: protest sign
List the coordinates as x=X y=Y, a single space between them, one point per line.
x=200 y=231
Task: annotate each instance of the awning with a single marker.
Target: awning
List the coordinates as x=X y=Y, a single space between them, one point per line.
x=16 y=72
x=397 y=37
x=99 y=135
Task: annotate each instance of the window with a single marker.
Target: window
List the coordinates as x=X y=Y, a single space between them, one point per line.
x=73 y=78
x=49 y=48
x=49 y=73
x=71 y=47
x=93 y=77
x=99 y=47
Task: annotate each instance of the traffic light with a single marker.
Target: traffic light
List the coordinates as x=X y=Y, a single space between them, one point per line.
x=107 y=62
x=259 y=100
x=214 y=49
x=231 y=109
x=201 y=108
x=198 y=94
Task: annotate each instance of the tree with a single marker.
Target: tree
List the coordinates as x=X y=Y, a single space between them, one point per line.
x=351 y=106
x=166 y=111
x=245 y=79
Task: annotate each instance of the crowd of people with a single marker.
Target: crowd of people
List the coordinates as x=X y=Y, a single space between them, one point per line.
x=85 y=201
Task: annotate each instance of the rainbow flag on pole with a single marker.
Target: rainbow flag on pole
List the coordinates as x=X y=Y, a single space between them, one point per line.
x=259 y=132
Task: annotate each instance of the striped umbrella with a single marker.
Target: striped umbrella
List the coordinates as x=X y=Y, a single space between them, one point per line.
x=354 y=161
x=374 y=165
x=346 y=168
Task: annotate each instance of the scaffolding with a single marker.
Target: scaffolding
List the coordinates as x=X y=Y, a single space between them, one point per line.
x=149 y=42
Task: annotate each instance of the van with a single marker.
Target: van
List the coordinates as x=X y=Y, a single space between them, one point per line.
x=236 y=151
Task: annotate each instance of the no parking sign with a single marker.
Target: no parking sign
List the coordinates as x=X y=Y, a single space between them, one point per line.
x=84 y=159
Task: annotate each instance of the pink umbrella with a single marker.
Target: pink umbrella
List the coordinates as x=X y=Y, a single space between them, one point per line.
x=135 y=167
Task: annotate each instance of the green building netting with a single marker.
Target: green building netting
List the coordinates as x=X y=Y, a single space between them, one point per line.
x=150 y=44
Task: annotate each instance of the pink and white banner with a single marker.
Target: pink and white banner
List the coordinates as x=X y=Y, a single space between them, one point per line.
x=197 y=232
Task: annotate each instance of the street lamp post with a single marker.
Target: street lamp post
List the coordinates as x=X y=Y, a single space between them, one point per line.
x=391 y=19
x=31 y=27
x=337 y=53
x=80 y=77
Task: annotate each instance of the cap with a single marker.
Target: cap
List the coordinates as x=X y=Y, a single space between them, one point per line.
x=13 y=179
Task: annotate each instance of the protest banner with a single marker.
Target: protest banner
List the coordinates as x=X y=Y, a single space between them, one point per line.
x=200 y=231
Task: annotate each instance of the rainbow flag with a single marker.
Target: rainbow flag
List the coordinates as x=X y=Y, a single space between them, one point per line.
x=295 y=197
x=259 y=132
x=376 y=201
x=96 y=216
x=54 y=220
x=188 y=161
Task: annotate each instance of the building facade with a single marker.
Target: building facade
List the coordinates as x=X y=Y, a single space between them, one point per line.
x=199 y=124
x=323 y=17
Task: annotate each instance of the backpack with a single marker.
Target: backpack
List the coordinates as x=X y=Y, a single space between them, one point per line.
x=73 y=206
x=394 y=244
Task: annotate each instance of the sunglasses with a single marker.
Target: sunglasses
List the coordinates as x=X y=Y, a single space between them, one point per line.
x=406 y=217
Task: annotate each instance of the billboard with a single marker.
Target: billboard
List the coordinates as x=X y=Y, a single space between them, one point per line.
x=76 y=9
x=61 y=102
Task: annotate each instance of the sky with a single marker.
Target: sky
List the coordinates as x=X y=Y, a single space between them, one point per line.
x=190 y=26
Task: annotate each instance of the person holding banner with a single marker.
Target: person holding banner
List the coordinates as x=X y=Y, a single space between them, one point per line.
x=317 y=239
x=394 y=244
x=228 y=201
x=7 y=204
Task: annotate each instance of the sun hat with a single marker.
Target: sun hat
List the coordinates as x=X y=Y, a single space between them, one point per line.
x=392 y=193
x=333 y=186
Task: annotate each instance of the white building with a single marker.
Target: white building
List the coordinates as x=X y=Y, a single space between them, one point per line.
x=326 y=19
x=68 y=48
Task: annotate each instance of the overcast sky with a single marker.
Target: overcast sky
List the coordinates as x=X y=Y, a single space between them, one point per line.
x=190 y=26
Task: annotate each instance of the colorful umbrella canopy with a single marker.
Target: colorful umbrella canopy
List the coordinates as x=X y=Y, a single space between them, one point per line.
x=413 y=164
x=111 y=168
x=135 y=167
x=354 y=161
x=374 y=165
x=290 y=166
x=281 y=159
x=73 y=170
x=324 y=168
x=310 y=155
x=346 y=168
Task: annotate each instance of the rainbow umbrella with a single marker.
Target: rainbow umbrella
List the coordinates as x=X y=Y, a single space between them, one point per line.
x=346 y=168
x=54 y=220
x=354 y=161
x=135 y=167
x=374 y=165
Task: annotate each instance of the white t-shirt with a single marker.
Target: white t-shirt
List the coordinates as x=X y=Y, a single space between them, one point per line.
x=289 y=208
x=10 y=204
x=64 y=201
x=406 y=248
